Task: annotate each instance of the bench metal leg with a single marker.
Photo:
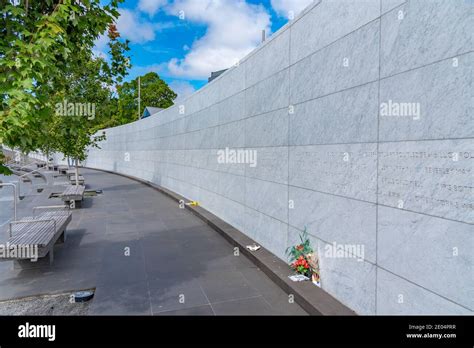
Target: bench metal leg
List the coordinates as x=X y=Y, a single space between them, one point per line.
x=51 y=256
x=62 y=238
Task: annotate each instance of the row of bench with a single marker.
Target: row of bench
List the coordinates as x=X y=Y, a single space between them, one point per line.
x=63 y=169
x=71 y=194
x=35 y=236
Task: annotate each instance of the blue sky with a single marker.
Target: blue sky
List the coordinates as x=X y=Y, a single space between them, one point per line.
x=184 y=40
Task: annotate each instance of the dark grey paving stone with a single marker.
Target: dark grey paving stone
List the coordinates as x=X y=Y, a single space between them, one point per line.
x=170 y=262
x=225 y=286
x=275 y=296
x=160 y=250
x=146 y=213
x=196 y=237
x=49 y=280
x=180 y=271
x=78 y=257
x=124 y=237
x=204 y=235
x=205 y=249
x=5 y=268
x=90 y=226
x=114 y=228
x=98 y=205
x=250 y=306
x=160 y=243
x=16 y=283
x=115 y=249
x=119 y=219
x=150 y=225
x=77 y=215
x=82 y=238
x=171 y=294
x=182 y=222
x=201 y=310
x=62 y=279
x=124 y=186
x=127 y=275
x=159 y=240
x=137 y=204
x=226 y=263
x=123 y=208
x=118 y=268
x=141 y=193
x=95 y=213
x=128 y=299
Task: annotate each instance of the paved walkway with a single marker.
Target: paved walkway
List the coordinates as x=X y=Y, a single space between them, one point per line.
x=144 y=256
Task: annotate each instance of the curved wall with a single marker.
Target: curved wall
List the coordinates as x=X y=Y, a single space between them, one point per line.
x=395 y=188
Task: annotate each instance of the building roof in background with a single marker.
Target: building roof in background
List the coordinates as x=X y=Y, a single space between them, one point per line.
x=150 y=110
x=216 y=74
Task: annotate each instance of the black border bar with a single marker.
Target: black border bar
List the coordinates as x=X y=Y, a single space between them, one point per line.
x=311 y=330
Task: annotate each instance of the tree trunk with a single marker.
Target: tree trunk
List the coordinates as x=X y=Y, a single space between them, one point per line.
x=77 y=172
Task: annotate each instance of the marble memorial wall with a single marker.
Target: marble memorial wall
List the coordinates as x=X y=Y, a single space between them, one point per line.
x=354 y=121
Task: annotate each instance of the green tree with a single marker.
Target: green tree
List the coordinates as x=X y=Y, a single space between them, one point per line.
x=153 y=92
x=41 y=42
x=85 y=104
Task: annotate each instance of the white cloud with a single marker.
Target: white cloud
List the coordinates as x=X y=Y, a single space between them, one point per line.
x=101 y=42
x=182 y=88
x=286 y=7
x=151 y=7
x=233 y=30
x=100 y=46
x=133 y=28
x=100 y=54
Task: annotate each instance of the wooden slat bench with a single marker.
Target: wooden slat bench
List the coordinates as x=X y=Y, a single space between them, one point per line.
x=63 y=169
x=42 y=232
x=70 y=173
x=74 y=194
x=72 y=179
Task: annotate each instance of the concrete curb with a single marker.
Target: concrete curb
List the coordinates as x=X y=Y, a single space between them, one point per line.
x=312 y=299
